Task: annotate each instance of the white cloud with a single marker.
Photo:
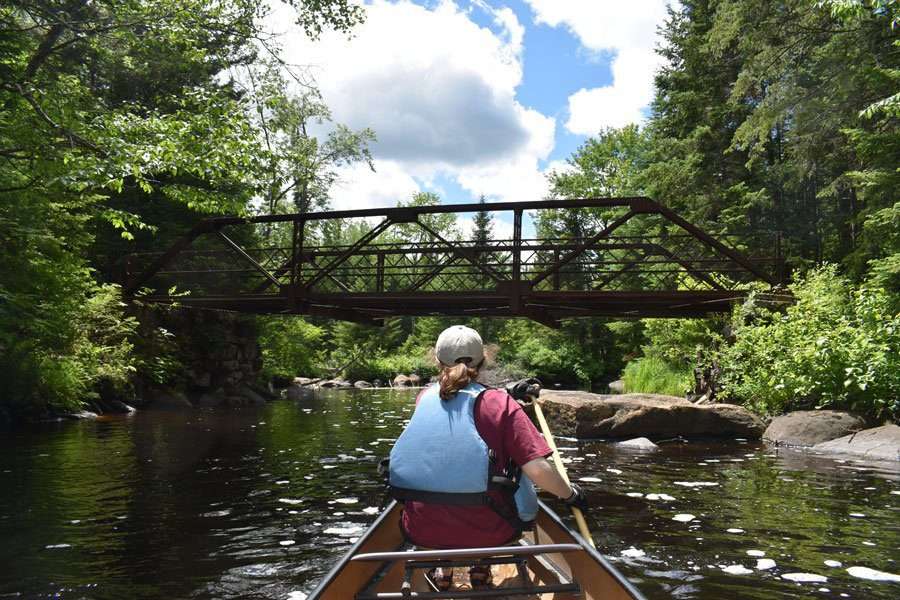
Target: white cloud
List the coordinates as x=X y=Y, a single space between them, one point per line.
x=439 y=91
x=626 y=29
x=359 y=187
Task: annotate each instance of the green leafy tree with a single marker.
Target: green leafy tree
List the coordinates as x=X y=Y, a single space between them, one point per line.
x=112 y=111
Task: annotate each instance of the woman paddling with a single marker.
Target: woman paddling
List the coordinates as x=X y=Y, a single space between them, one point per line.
x=465 y=463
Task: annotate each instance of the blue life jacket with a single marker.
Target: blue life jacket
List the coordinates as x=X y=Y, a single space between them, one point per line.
x=441 y=459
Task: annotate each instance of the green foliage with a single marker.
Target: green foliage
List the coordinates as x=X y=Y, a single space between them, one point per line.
x=837 y=347
x=652 y=375
x=56 y=359
x=290 y=346
x=682 y=343
x=112 y=111
x=606 y=165
x=580 y=353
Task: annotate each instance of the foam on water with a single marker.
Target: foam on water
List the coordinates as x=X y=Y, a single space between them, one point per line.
x=736 y=570
x=665 y=497
x=805 y=577
x=872 y=574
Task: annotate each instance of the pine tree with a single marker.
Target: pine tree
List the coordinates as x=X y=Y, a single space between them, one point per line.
x=484 y=224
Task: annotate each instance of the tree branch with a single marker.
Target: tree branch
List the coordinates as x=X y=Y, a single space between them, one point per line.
x=74 y=138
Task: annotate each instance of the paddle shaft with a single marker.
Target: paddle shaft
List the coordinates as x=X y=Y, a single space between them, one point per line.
x=576 y=512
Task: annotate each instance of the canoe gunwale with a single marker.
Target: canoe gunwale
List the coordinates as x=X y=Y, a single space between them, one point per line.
x=348 y=556
x=592 y=552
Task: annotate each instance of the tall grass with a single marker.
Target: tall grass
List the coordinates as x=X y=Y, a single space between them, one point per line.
x=652 y=375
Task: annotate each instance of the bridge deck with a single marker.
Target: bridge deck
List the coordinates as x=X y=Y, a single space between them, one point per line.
x=639 y=259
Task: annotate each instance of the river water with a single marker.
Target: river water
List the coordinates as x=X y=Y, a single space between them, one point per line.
x=257 y=503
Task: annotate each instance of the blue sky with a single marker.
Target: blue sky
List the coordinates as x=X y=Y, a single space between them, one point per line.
x=471 y=97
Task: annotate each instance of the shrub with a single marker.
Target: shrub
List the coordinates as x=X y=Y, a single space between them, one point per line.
x=652 y=375
x=837 y=347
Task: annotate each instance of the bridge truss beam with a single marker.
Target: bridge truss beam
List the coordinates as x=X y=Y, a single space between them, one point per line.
x=640 y=260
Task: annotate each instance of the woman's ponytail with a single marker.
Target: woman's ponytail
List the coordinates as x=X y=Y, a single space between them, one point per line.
x=452 y=379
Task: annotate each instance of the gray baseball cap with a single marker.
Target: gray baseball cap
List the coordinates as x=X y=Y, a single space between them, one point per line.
x=457 y=343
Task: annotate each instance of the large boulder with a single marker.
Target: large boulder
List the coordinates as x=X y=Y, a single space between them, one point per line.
x=879 y=443
x=362 y=384
x=811 y=427
x=415 y=380
x=586 y=415
x=401 y=381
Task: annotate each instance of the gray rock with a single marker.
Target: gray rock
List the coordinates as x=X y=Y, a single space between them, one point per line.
x=401 y=381
x=617 y=387
x=304 y=380
x=251 y=396
x=811 y=427
x=640 y=443
x=212 y=399
x=586 y=415
x=335 y=383
x=879 y=443
x=297 y=392
x=377 y=383
x=81 y=415
x=119 y=407
x=171 y=400
x=415 y=380
x=362 y=384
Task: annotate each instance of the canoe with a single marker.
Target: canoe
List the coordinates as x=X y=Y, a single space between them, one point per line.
x=552 y=561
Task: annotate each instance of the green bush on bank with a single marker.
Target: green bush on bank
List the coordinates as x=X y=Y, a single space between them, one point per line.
x=652 y=375
x=837 y=347
x=56 y=360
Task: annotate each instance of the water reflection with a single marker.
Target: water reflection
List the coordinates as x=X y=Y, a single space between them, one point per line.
x=257 y=503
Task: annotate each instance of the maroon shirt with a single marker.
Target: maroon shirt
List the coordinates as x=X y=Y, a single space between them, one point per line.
x=506 y=430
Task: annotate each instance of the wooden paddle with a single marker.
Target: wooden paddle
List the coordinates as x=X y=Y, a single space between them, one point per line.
x=576 y=512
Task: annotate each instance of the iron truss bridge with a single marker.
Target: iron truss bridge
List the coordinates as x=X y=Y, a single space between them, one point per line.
x=637 y=258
